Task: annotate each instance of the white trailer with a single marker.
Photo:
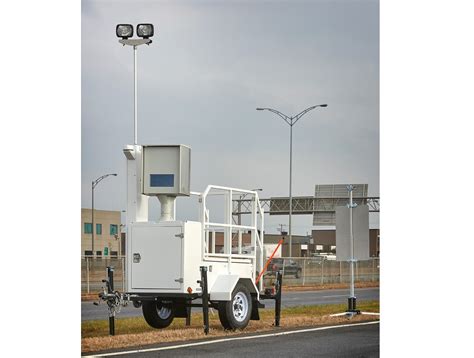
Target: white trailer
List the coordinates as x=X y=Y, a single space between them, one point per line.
x=172 y=263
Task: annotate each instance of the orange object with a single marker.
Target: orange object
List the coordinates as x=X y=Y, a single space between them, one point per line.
x=268 y=261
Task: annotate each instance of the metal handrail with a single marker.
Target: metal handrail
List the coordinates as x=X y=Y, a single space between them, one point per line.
x=258 y=238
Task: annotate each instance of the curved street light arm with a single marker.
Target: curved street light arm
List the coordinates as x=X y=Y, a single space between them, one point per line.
x=98 y=180
x=283 y=116
x=302 y=113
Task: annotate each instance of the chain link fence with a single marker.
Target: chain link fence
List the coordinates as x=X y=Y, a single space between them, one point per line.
x=300 y=271
x=310 y=271
x=94 y=270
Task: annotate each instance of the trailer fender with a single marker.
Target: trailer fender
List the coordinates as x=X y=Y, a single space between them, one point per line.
x=225 y=284
x=223 y=287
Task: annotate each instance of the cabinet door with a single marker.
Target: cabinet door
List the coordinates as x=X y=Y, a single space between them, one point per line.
x=156 y=257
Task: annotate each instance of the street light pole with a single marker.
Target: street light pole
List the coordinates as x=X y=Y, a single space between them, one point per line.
x=94 y=184
x=291 y=121
x=291 y=196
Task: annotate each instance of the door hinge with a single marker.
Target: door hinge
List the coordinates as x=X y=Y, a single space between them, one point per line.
x=180 y=280
x=179 y=235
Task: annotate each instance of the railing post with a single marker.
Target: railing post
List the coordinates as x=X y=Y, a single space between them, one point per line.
x=213 y=241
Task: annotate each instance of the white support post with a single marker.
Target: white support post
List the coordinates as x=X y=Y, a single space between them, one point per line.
x=228 y=230
x=135 y=106
x=204 y=225
x=261 y=237
x=240 y=241
x=254 y=222
x=168 y=207
x=213 y=242
x=352 y=298
x=352 y=293
x=253 y=236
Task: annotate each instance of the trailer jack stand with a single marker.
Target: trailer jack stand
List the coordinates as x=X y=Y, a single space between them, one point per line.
x=188 y=312
x=275 y=296
x=205 y=298
x=113 y=299
x=279 y=280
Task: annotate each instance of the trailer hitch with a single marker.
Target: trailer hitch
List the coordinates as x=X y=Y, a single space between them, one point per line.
x=114 y=299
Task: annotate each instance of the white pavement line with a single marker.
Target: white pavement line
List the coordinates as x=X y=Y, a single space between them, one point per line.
x=232 y=339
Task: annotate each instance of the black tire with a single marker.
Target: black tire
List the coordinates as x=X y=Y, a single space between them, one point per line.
x=156 y=315
x=238 y=319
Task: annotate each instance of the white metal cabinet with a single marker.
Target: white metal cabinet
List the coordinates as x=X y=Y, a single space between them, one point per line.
x=164 y=257
x=156 y=257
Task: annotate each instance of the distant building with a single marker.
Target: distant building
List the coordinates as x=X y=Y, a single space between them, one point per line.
x=325 y=241
x=300 y=244
x=107 y=233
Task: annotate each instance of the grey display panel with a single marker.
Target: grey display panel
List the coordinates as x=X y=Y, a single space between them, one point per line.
x=166 y=170
x=360 y=221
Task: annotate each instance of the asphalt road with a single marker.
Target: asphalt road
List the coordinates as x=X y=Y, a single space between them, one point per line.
x=289 y=299
x=358 y=340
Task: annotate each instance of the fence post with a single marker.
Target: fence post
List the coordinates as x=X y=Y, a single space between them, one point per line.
x=87 y=274
x=357 y=271
x=304 y=270
x=373 y=269
x=340 y=271
x=322 y=272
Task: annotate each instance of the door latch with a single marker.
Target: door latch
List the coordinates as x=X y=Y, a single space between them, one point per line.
x=136 y=258
x=179 y=235
x=180 y=280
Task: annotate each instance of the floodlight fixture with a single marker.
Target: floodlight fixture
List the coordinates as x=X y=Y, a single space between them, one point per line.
x=124 y=31
x=145 y=30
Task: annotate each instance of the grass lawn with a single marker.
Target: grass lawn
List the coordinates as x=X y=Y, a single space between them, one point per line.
x=135 y=331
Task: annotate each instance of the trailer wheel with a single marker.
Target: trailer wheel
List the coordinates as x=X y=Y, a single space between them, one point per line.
x=157 y=315
x=235 y=314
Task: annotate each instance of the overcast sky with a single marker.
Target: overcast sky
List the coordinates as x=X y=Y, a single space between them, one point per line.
x=209 y=66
